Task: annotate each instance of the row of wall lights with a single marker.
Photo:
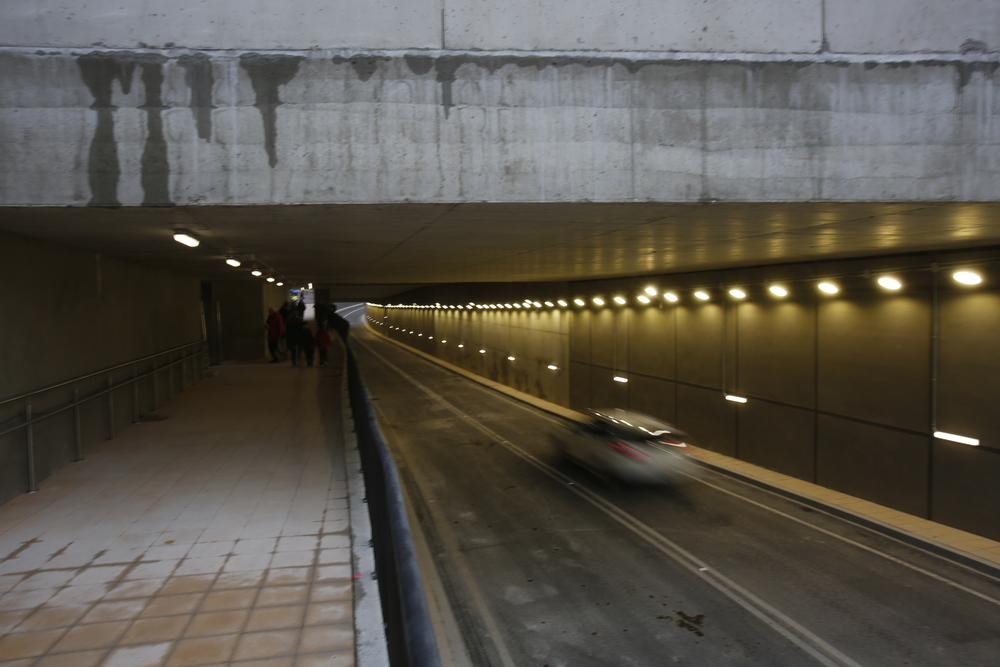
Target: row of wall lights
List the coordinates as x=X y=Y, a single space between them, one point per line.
x=650 y=293
x=184 y=237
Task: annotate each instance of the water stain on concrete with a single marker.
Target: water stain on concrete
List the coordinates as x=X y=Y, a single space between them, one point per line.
x=267 y=74
x=364 y=66
x=199 y=78
x=155 y=177
x=99 y=71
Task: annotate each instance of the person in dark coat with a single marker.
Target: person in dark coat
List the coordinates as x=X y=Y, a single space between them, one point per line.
x=308 y=344
x=323 y=342
x=293 y=337
x=275 y=326
x=322 y=313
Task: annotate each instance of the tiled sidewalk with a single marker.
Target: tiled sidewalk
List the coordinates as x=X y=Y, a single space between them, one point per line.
x=219 y=535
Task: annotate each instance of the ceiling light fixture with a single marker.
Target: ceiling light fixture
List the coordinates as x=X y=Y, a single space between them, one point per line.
x=702 y=295
x=233 y=262
x=186 y=238
x=889 y=282
x=829 y=288
x=735 y=399
x=967 y=277
x=643 y=298
x=737 y=293
x=777 y=290
x=670 y=296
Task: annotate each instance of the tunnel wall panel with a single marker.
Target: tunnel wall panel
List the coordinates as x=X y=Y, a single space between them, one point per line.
x=710 y=421
x=777 y=352
x=965 y=493
x=778 y=437
x=883 y=465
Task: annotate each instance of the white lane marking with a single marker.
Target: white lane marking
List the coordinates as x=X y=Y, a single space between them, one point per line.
x=823 y=652
x=561 y=422
x=867 y=548
x=451 y=544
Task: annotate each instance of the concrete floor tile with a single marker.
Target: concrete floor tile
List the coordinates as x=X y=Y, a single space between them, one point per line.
x=275 y=618
x=340 y=541
x=202 y=651
x=71 y=595
x=271 y=596
x=238 y=580
x=151 y=630
x=188 y=584
x=48 y=618
x=327 y=638
x=286 y=661
x=306 y=543
x=326 y=659
x=248 y=563
x=15 y=600
x=289 y=575
x=45 y=579
x=334 y=572
x=75 y=659
x=334 y=556
x=11 y=619
x=293 y=559
x=86 y=637
x=217 y=623
x=240 y=598
x=200 y=565
x=330 y=592
x=170 y=605
x=257 y=645
x=328 y=613
x=153 y=570
x=209 y=549
x=148 y=655
x=28 y=644
x=100 y=574
x=167 y=552
x=141 y=588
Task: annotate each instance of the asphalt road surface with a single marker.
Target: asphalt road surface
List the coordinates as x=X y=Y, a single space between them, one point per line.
x=543 y=564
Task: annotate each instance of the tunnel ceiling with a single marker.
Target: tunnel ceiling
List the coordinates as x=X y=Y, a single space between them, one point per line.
x=368 y=251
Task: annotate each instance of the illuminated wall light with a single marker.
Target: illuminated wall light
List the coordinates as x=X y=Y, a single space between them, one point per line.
x=670 y=296
x=620 y=300
x=735 y=399
x=507 y=305
x=461 y=345
x=549 y=304
x=598 y=301
x=651 y=291
x=233 y=262
x=579 y=302
x=829 y=288
x=553 y=367
x=967 y=277
x=562 y=303
x=270 y=279
x=941 y=435
x=186 y=238
x=737 y=293
x=702 y=295
x=889 y=283
x=777 y=290
x=536 y=304
x=643 y=298
x=482 y=351
x=310 y=285
x=430 y=338
x=280 y=284
x=443 y=342
x=619 y=378
x=511 y=358
x=256 y=272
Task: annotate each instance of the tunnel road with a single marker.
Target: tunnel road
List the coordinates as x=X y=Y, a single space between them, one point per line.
x=543 y=564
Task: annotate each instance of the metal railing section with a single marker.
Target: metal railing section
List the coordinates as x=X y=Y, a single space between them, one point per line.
x=165 y=362
x=408 y=628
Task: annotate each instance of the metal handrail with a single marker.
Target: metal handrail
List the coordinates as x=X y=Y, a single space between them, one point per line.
x=100 y=372
x=30 y=418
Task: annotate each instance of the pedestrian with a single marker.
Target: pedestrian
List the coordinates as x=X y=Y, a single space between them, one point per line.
x=275 y=326
x=293 y=337
x=301 y=307
x=308 y=344
x=323 y=341
x=322 y=313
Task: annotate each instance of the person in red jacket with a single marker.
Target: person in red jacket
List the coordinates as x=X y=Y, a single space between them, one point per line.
x=323 y=341
x=275 y=326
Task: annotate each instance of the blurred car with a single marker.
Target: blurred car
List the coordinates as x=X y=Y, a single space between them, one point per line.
x=628 y=446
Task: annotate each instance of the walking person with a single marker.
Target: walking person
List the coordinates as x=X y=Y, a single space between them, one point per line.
x=293 y=337
x=323 y=342
x=308 y=344
x=275 y=326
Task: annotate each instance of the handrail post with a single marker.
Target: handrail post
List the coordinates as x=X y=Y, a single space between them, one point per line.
x=77 y=439
x=170 y=377
x=111 y=410
x=30 y=437
x=135 y=396
x=183 y=372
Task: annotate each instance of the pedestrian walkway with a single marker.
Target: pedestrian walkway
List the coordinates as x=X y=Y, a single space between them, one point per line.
x=215 y=532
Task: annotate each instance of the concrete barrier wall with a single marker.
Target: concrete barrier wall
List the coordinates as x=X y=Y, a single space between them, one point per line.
x=761 y=26
x=841 y=389
x=157 y=128
x=67 y=313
